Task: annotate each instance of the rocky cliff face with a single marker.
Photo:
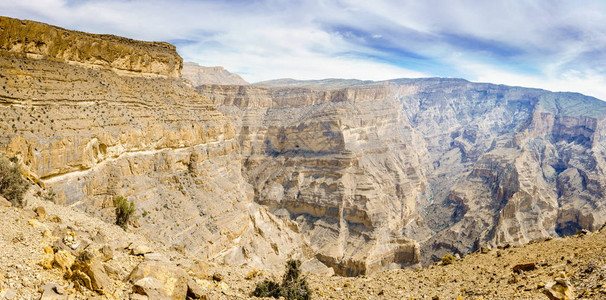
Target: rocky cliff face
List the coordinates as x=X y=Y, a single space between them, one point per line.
x=199 y=75
x=451 y=164
x=339 y=161
x=362 y=176
x=509 y=165
x=122 y=55
x=93 y=117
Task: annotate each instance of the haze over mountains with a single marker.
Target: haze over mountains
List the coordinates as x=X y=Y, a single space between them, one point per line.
x=352 y=177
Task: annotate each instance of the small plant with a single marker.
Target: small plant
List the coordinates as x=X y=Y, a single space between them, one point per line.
x=292 y=288
x=124 y=210
x=49 y=195
x=447 y=259
x=12 y=184
x=267 y=288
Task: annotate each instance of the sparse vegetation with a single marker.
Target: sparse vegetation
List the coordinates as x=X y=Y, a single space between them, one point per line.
x=49 y=195
x=12 y=184
x=292 y=288
x=447 y=259
x=124 y=210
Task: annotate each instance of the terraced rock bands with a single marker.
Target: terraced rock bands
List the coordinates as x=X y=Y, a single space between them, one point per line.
x=351 y=176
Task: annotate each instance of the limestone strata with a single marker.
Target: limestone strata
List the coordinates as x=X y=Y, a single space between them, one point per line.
x=339 y=161
x=199 y=75
x=92 y=134
x=39 y=40
x=452 y=164
x=510 y=165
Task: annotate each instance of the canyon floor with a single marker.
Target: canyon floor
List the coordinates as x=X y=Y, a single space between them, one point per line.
x=486 y=274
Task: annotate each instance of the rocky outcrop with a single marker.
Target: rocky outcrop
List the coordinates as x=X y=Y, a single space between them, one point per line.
x=199 y=75
x=159 y=280
x=340 y=162
x=41 y=41
x=85 y=118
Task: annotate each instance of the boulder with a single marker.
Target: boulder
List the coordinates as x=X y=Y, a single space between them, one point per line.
x=560 y=289
x=139 y=249
x=107 y=253
x=195 y=291
x=64 y=259
x=159 y=280
x=53 y=292
x=524 y=267
x=4 y=202
x=151 y=287
x=91 y=265
x=40 y=212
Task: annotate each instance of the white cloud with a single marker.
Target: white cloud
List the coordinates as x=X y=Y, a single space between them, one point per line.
x=586 y=82
x=554 y=45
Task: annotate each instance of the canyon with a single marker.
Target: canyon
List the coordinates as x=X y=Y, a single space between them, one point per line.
x=91 y=124
x=352 y=177
x=453 y=165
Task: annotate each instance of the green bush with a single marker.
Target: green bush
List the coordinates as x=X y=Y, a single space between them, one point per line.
x=12 y=184
x=292 y=288
x=267 y=288
x=124 y=210
x=447 y=259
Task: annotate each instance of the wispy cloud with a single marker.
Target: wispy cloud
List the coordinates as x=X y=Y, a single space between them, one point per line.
x=556 y=45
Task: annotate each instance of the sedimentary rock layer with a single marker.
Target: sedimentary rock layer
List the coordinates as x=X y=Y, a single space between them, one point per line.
x=42 y=41
x=338 y=161
x=93 y=133
x=509 y=164
x=452 y=164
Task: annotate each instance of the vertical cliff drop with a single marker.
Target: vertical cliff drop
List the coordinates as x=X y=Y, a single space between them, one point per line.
x=97 y=116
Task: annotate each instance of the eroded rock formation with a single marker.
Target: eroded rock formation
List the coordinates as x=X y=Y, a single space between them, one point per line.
x=362 y=176
x=452 y=164
x=340 y=161
x=509 y=164
x=94 y=117
x=122 y=55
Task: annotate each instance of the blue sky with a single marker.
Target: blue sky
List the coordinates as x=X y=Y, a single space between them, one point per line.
x=555 y=45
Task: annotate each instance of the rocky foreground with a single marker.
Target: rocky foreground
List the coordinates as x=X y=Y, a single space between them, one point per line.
x=45 y=244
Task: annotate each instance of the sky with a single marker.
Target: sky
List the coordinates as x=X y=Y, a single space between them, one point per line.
x=554 y=45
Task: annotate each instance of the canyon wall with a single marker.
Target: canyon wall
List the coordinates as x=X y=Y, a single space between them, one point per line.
x=359 y=175
x=450 y=164
x=341 y=162
x=93 y=117
x=97 y=51
x=509 y=164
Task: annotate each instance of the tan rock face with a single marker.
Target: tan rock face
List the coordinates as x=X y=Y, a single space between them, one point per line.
x=41 y=41
x=338 y=161
x=161 y=280
x=199 y=75
x=355 y=174
x=482 y=164
x=510 y=165
x=92 y=133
